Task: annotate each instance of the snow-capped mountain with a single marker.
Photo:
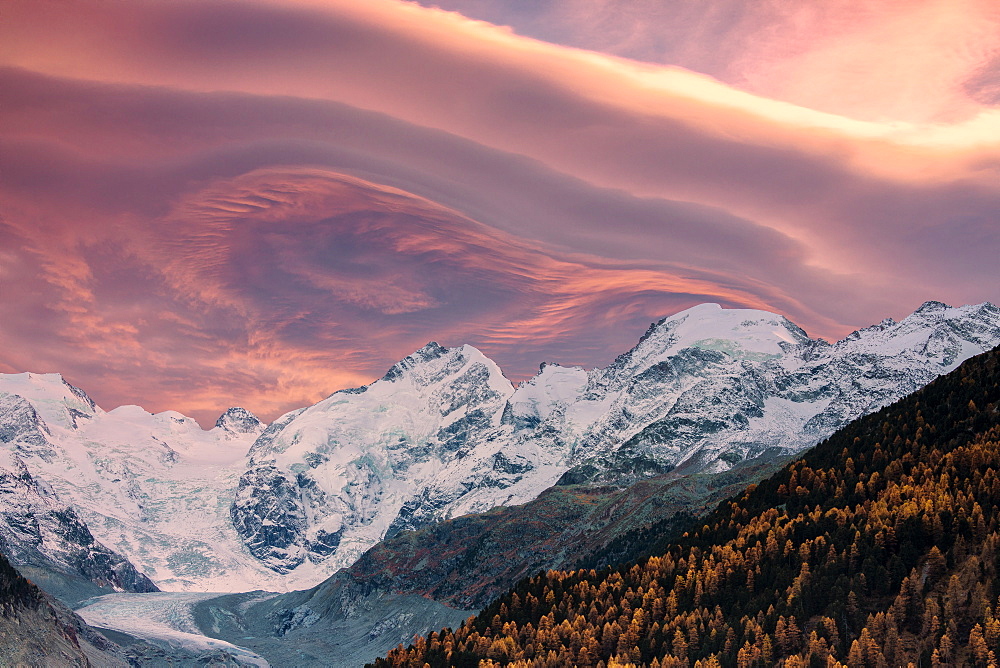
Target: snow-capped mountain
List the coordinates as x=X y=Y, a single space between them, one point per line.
x=444 y=433
x=45 y=536
x=155 y=488
x=708 y=387
x=326 y=483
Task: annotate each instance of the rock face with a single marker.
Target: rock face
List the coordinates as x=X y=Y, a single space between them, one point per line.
x=444 y=434
x=154 y=488
x=39 y=531
x=36 y=630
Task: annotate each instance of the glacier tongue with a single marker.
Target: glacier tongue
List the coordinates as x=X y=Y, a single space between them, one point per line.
x=444 y=433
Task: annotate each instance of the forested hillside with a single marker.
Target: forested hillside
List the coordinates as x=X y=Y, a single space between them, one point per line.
x=879 y=547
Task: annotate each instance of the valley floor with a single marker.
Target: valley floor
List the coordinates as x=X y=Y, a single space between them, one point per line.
x=170 y=627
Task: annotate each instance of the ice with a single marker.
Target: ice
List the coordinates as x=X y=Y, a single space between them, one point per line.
x=445 y=433
x=164 y=619
x=52 y=397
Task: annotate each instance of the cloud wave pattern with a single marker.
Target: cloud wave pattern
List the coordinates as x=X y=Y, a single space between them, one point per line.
x=205 y=203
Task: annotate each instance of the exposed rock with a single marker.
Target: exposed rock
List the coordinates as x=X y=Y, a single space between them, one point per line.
x=37 y=630
x=239 y=422
x=443 y=433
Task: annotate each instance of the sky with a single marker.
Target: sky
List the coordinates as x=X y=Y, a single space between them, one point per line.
x=208 y=203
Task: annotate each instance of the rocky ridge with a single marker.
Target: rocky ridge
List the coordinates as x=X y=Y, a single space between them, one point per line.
x=37 y=630
x=154 y=488
x=444 y=434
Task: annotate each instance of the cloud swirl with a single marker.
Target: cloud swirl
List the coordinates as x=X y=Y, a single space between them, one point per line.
x=260 y=203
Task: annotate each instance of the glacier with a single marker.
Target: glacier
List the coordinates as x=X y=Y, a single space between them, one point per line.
x=444 y=433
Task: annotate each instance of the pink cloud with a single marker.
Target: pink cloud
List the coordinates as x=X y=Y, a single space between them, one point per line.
x=879 y=60
x=196 y=193
x=342 y=276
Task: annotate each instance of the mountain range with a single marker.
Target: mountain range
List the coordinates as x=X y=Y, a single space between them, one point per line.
x=878 y=547
x=704 y=398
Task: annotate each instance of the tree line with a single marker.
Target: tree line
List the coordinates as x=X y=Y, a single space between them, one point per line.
x=878 y=547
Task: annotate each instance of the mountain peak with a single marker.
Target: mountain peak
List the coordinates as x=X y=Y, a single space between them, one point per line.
x=431 y=350
x=738 y=332
x=57 y=401
x=431 y=355
x=238 y=421
x=445 y=433
x=932 y=306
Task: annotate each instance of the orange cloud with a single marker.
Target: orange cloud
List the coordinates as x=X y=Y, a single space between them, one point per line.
x=276 y=287
x=198 y=192
x=652 y=131
x=912 y=60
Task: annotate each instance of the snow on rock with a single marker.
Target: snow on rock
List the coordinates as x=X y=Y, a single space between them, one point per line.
x=709 y=386
x=539 y=398
x=154 y=488
x=37 y=529
x=444 y=433
x=57 y=403
x=328 y=482
x=238 y=422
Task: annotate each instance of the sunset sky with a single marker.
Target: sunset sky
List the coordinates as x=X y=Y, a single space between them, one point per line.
x=207 y=203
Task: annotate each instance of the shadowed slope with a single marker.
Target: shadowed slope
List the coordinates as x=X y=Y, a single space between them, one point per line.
x=37 y=630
